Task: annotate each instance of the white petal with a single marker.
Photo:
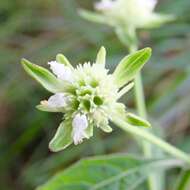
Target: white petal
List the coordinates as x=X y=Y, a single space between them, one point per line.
x=148 y=4
x=61 y=71
x=104 y=5
x=79 y=125
x=57 y=100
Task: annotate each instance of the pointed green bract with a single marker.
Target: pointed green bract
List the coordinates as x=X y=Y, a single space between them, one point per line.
x=42 y=75
x=60 y=58
x=130 y=66
x=91 y=16
x=125 y=89
x=62 y=138
x=47 y=108
x=101 y=56
x=136 y=120
x=159 y=19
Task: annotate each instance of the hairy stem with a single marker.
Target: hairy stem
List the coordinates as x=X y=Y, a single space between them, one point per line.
x=149 y=137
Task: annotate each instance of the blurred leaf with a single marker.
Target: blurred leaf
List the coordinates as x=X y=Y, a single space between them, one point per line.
x=106 y=172
x=184 y=181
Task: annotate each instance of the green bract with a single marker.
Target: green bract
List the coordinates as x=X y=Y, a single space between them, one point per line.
x=86 y=94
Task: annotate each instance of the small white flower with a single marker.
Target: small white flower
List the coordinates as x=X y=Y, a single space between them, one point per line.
x=79 y=125
x=61 y=71
x=57 y=100
x=104 y=5
x=150 y=4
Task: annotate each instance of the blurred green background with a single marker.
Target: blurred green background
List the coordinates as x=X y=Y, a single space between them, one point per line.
x=38 y=30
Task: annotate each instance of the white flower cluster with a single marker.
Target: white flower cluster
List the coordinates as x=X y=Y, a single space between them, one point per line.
x=136 y=13
x=93 y=90
x=87 y=95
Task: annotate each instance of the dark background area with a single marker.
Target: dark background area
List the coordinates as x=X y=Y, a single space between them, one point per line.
x=38 y=30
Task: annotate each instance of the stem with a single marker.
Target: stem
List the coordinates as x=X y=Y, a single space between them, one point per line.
x=151 y=138
x=141 y=107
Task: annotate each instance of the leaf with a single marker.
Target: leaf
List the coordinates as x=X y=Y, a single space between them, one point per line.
x=91 y=16
x=62 y=138
x=184 y=181
x=130 y=65
x=42 y=75
x=137 y=121
x=113 y=172
x=101 y=56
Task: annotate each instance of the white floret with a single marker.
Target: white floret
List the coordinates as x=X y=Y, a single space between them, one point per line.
x=57 y=100
x=61 y=71
x=79 y=124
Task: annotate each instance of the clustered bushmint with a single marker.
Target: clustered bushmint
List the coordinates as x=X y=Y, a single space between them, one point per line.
x=86 y=94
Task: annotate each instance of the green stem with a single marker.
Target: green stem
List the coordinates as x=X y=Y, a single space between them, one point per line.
x=149 y=137
x=141 y=107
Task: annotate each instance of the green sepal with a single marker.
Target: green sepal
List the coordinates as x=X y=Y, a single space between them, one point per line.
x=101 y=56
x=60 y=58
x=130 y=65
x=91 y=16
x=43 y=76
x=136 y=120
x=62 y=138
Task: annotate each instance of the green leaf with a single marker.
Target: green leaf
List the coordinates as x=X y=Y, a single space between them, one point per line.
x=101 y=56
x=62 y=138
x=130 y=65
x=91 y=16
x=184 y=181
x=137 y=121
x=62 y=59
x=113 y=172
x=43 y=76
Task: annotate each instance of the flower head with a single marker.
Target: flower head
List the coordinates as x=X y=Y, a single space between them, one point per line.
x=126 y=15
x=85 y=94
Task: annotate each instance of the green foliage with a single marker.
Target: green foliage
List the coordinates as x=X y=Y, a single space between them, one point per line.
x=114 y=172
x=38 y=30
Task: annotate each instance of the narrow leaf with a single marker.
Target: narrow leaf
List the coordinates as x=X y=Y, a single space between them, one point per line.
x=130 y=66
x=62 y=138
x=42 y=75
x=101 y=56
